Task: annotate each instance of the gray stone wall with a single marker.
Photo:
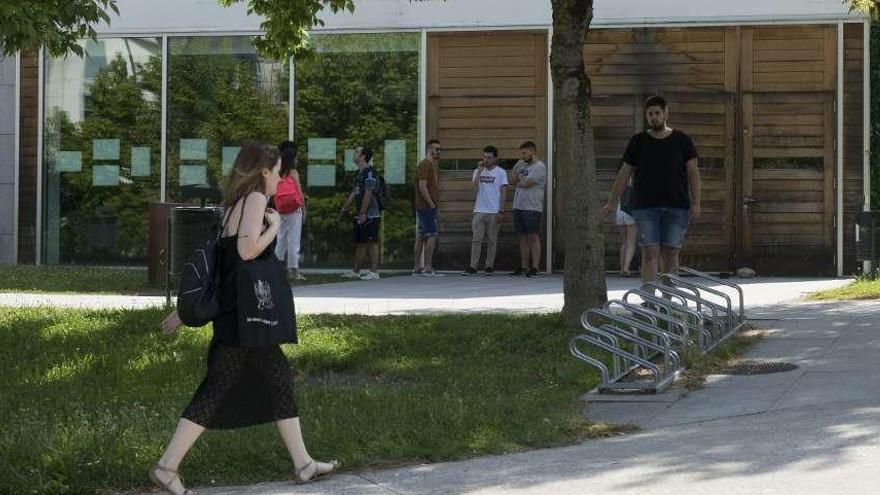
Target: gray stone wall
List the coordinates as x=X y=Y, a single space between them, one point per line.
x=7 y=158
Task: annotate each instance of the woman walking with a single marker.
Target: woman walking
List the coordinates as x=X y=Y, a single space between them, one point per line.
x=248 y=380
x=628 y=232
x=290 y=204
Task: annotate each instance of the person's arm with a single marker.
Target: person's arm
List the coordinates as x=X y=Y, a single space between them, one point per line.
x=475 y=180
x=295 y=175
x=252 y=239
x=693 y=172
x=423 y=190
x=537 y=175
x=503 y=197
x=368 y=198
x=347 y=203
x=623 y=176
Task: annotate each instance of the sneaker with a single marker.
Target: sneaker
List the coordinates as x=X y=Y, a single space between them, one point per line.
x=489 y=270
x=469 y=271
x=533 y=273
x=519 y=272
x=370 y=276
x=431 y=273
x=350 y=275
x=417 y=273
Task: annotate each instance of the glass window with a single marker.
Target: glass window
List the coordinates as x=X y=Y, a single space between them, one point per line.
x=220 y=94
x=357 y=89
x=101 y=151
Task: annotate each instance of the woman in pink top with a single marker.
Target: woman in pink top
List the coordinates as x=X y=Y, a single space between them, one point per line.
x=290 y=203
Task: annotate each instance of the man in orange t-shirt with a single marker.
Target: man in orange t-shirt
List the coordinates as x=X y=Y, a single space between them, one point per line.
x=427 y=196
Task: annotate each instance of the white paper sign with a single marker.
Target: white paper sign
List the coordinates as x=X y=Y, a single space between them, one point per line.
x=322 y=175
x=105 y=149
x=193 y=175
x=105 y=175
x=350 y=165
x=140 y=161
x=395 y=161
x=194 y=149
x=69 y=161
x=229 y=154
x=322 y=149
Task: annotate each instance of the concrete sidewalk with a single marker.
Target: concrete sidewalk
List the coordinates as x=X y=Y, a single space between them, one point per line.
x=815 y=430
x=421 y=295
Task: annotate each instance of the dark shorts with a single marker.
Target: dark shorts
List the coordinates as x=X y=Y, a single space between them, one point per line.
x=526 y=222
x=368 y=232
x=427 y=222
x=663 y=226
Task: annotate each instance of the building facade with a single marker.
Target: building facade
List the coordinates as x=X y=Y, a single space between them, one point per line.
x=773 y=93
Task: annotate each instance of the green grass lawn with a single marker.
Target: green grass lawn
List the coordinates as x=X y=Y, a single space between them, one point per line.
x=89 y=398
x=860 y=289
x=103 y=280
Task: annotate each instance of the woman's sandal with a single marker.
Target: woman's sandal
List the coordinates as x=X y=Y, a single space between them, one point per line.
x=298 y=473
x=166 y=485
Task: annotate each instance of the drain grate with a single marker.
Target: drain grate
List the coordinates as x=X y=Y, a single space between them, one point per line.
x=757 y=368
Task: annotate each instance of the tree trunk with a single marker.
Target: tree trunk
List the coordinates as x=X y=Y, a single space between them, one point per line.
x=575 y=159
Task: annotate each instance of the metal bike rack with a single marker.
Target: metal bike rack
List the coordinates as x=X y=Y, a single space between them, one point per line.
x=654 y=326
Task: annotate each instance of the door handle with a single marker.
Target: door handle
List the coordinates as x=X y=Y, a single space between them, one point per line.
x=748 y=201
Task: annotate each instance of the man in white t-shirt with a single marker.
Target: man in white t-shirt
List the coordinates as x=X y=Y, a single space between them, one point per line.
x=489 y=182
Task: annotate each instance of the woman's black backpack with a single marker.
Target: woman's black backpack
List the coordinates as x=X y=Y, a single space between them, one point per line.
x=197 y=299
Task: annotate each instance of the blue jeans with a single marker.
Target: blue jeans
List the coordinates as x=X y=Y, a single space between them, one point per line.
x=663 y=226
x=427 y=222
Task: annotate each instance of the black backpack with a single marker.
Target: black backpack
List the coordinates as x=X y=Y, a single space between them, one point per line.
x=197 y=299
x=383 y=192
x=383 y=195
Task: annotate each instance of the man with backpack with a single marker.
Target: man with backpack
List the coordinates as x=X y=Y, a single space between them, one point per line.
x=366 y=192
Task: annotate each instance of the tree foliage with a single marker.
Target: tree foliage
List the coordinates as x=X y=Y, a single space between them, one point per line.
x=57 y=25
x=287 y=22
x=868 y=6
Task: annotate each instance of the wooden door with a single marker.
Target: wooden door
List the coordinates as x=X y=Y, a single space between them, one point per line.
x=787 y=195
x=696 y=70
x=484 y=88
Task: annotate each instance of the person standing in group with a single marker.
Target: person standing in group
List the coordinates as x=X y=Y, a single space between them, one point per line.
x=291 y=206
x=489 y=182
x=628 y=231
x=248 y=381
x=530 y=179
x=427 y=196
x=666 y=192
x=368 y=215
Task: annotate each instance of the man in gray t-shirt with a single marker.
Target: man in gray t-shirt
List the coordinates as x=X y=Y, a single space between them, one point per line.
x=530 y=180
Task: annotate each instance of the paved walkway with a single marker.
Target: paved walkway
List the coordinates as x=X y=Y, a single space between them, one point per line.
x=815 y=430
x=452 y=293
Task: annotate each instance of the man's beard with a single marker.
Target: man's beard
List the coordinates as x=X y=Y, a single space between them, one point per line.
x=658 y=127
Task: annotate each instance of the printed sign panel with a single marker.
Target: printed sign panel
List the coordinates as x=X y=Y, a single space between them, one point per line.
x=140 y=161
x=322 y=175
x=105 y=175
x=322 y=149
x=105 y=149
x=194 y=149
x=69 y=161
x=395 y=161
x=230 y=153
x=193 y=175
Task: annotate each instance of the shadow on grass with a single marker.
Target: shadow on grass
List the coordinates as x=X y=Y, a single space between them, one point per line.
x=91 y=397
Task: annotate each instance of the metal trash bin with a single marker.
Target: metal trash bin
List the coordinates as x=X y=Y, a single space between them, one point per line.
x=867 y=223
x=188 y=228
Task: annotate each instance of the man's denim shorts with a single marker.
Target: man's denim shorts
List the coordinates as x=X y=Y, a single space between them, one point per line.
x=427 y=222
x=663 y=226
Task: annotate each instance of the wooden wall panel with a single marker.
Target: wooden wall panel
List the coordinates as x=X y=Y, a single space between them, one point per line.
x=27 y=189
x=483 y=88
x=695 y=70
x=852 y=146
x=789 y=159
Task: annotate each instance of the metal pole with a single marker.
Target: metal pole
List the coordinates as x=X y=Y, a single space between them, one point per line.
x=163 y=145
x=840 y=146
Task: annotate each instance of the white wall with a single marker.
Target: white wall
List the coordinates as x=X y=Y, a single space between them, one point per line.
x=153 y=16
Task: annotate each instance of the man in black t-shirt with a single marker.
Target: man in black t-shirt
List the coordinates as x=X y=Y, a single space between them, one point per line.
x=666 y=190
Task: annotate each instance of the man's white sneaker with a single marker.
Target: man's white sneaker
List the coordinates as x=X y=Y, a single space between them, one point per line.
x=370 y=276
